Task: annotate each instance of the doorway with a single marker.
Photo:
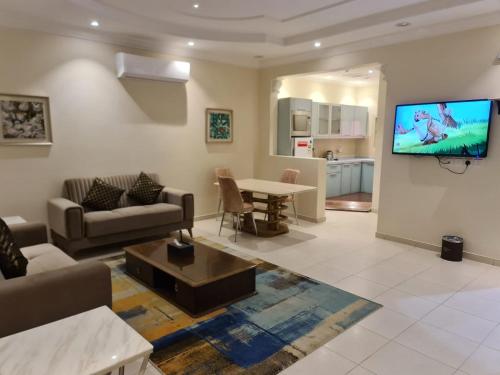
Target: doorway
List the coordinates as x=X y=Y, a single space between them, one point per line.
x=344 y=122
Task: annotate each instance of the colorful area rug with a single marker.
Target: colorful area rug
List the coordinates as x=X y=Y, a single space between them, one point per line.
x=289 y=317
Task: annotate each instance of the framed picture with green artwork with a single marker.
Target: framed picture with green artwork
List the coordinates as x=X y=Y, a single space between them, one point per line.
x=219 y=124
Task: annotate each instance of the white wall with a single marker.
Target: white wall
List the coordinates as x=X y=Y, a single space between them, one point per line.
x=104 y=126
x=418 y=200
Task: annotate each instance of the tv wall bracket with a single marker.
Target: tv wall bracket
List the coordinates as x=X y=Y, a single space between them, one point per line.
x=498 y=105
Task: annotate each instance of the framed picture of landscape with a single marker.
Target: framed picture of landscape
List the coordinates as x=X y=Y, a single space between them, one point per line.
x=219 y=125
x=24 y=120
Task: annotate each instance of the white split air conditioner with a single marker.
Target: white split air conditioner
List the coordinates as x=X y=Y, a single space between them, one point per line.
x=135 y=66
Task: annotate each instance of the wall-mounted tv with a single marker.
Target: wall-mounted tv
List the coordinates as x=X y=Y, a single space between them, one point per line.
x=447 y=129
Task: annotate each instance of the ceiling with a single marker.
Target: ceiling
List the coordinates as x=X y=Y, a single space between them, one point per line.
x=250 y=32
x=362 y=76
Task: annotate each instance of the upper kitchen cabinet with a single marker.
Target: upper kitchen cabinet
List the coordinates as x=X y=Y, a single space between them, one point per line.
x=294 y=120
x=339 y=121
x=335 y=120
x=360 y=122
x=347 y=120
x=320 y=119
x=299 y=104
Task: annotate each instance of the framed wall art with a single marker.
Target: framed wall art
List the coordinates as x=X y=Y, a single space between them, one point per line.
x=25 y=120
x=219 y=125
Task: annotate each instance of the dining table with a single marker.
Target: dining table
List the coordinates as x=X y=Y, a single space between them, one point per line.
x=271 y=195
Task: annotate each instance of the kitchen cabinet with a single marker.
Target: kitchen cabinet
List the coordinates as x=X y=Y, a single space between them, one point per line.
x=335 y=120
x=339 y=121
x=349 y=177
x=287 y=110
x=321 y=120
x=346 y=120
x=360 y=122
x=333 y=183
x=345 y=186
x=356 y=178
x=367 y=177
x=354 y=121
x=299 y=104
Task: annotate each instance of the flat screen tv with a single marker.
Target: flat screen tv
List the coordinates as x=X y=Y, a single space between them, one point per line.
x=445 y=129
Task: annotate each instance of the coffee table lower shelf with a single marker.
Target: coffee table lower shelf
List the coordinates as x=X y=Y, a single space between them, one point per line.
x=194 y=300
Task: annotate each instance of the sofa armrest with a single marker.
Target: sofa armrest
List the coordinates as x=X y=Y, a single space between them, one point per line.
x=180 y=198
x=38 y=299
x=29 y=234
x=66 y=218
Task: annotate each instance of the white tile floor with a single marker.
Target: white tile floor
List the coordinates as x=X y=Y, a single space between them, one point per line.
x=438 y=317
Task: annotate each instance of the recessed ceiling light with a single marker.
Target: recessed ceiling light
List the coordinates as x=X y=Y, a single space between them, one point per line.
x=403 y=24
x=190 y=43
x=94 y=23
x=196 y=5
x=370 y=71
x=317 y=44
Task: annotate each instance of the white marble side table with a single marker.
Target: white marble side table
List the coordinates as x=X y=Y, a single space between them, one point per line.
x=9 y=220
x=95 y=342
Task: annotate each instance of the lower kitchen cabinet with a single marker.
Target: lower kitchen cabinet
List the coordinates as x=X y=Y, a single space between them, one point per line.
x=367 y=178
x=333 y=181
x=345 y=187
x=349 y=178
x=356 y=178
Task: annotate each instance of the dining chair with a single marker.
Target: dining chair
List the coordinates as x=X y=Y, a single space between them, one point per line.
x=289 y=176
x=232 y=202
x=221 y=172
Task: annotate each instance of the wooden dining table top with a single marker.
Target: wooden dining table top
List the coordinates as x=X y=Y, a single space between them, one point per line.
x=271 y=187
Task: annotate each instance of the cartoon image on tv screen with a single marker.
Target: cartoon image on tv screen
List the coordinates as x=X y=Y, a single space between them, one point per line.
x=453 y=128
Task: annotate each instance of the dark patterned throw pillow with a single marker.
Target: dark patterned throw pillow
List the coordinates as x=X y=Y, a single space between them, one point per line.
x=12 y=262
x=102 y=196
x=145 y=190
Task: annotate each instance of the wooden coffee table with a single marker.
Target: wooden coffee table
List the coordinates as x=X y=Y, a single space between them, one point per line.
x=198 y=283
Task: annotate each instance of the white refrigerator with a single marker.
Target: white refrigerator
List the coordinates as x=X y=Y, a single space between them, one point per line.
x=303 y=147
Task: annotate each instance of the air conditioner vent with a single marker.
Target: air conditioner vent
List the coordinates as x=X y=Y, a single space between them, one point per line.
x=135 y=66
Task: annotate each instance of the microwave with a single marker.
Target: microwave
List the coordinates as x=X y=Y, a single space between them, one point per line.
x=300 y=124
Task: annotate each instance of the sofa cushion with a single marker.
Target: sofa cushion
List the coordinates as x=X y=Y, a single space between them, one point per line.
x=102 y=196
x=75 y=189
x=12 y=261
x=102 y=223
x=45 y=257
x=145 y=190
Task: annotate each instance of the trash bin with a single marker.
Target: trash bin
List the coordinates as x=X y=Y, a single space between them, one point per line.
x=452 y=248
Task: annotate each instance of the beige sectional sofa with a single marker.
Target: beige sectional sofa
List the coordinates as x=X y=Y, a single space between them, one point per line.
x=55 y=287
x=73 y=228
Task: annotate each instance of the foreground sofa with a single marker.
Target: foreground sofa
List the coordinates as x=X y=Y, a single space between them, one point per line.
x=55 y=287
x=73 y=228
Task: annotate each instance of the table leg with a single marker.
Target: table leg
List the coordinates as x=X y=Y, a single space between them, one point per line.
x=144 y=365
x=248 y=218
x=272 y=225
x=274 y=212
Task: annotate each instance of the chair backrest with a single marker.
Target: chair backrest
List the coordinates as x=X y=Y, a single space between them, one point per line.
x=290 y=176
x=230 y=194
x=223 y=172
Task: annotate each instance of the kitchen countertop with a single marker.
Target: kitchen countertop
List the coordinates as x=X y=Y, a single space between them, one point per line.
x=350 y=160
